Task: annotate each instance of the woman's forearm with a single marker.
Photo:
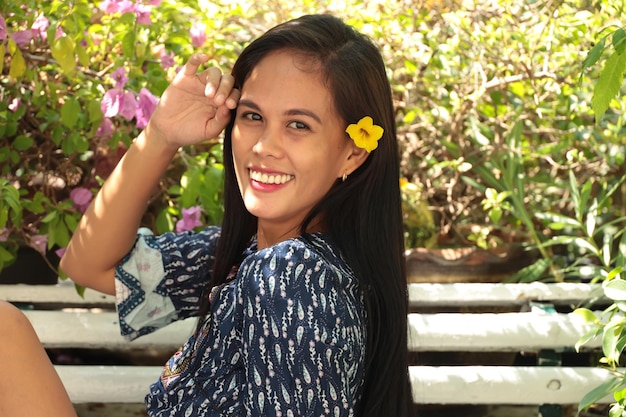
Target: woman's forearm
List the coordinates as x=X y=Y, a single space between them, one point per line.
x=107 y=230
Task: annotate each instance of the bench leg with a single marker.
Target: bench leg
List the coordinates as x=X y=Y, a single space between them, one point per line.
x=549 y=358
x=550 y=410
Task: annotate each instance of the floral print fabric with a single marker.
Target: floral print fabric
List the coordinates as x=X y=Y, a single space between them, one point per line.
x=286 y=337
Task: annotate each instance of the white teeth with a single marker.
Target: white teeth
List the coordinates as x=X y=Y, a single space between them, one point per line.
x=270 y=178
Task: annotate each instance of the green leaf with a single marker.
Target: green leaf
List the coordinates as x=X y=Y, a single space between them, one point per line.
x=69 y=112
x=80 y=290
x=164 y=222
x=620 y=395
x=609 y=342
x=587 y=337
x=599 y=392
x=5 y=257
x=530 y=273
x=594 y=54
x=82 y=55
x=559 y=219
x=591 y=218
x=615 y=289
x=587 y=315
x=70 y=221
x=22 y=143
x=62 y=50
x=608 y=84
x=58 y=233
x=618 y=39
x=128 y=44
x=2 y=52
x=614 y=272
x=18 y=65
x=495 y=214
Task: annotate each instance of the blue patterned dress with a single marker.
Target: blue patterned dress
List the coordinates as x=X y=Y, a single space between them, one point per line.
x=285 y=337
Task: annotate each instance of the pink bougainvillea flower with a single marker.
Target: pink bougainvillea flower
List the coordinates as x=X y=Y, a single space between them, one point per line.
x=82 y=197
x=198 y=34
x=109 y=6
x=4 y=234
x=125 y=6
x=105 y=130
x=118 y=102
x=39 y=243
x=40 y=27
x=143 y=14
x=59 y=33
x=15 y=104
x=129 y=106
x=146 y=103
x=120 y=78
x=22 y=37
x=60 y=252
x=3 y=28
x=155 y=2
x=114 y=6
x=191 y=219
x=167 y=59
x=112 y=102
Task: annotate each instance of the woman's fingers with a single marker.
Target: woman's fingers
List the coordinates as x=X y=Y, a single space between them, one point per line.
x=216 y=86
x=191 y=67
x=233 y=98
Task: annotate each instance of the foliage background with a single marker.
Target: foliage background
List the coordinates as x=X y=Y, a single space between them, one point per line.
x=492 y=110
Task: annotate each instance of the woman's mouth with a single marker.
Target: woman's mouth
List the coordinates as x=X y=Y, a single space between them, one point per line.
x=270 y=179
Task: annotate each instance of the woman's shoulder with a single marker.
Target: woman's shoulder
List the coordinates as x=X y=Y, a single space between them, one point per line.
x=312 y=254
x=173 y=240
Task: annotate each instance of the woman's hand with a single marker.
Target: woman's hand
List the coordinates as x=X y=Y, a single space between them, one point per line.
x=195 y=107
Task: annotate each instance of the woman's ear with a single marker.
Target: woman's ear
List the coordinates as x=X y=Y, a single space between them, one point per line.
x=355 y=157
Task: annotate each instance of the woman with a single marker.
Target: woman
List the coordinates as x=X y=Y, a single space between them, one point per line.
x=301 y=292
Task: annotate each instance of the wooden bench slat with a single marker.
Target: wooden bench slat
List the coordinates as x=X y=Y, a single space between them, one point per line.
x=503 y=332
x=427 y=332
x=84 y=329
x=107 y=384
x=430 y=384
x=485 y=294
x=64 y=293
x=420 y=295
x=504 y=385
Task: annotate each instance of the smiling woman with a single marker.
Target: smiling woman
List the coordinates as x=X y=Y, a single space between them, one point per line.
x=301 y=292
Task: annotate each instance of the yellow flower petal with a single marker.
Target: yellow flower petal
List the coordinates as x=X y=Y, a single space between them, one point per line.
x=365 y=133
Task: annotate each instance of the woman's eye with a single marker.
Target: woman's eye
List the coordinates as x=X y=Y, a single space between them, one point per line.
x=252 y=116
x=298 y=125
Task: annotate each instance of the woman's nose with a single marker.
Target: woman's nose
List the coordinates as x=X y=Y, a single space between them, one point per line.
x=269 y=143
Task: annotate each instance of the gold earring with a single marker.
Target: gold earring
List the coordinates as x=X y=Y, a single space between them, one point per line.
x=344 y=177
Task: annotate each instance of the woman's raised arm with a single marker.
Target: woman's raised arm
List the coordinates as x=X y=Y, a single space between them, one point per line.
x=194 y=108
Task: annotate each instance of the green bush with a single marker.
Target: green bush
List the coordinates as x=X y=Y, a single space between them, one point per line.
x=475 y=86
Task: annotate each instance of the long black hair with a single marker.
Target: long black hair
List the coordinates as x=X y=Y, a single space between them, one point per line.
x=362 y=214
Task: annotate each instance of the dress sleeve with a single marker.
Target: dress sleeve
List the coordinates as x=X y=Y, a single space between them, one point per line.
x=302 y=336
x=162 y=278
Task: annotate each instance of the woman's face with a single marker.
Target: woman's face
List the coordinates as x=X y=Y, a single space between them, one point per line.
x=289 y=145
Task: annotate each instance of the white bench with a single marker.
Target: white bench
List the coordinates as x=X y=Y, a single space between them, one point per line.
x=444 y=318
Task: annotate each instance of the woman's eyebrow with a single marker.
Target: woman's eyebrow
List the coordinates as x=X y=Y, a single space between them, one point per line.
x=250 y=104
x=291 y=112
x=303 y=112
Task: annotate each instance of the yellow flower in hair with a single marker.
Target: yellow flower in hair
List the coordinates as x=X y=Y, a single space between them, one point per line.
x=365 y=133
